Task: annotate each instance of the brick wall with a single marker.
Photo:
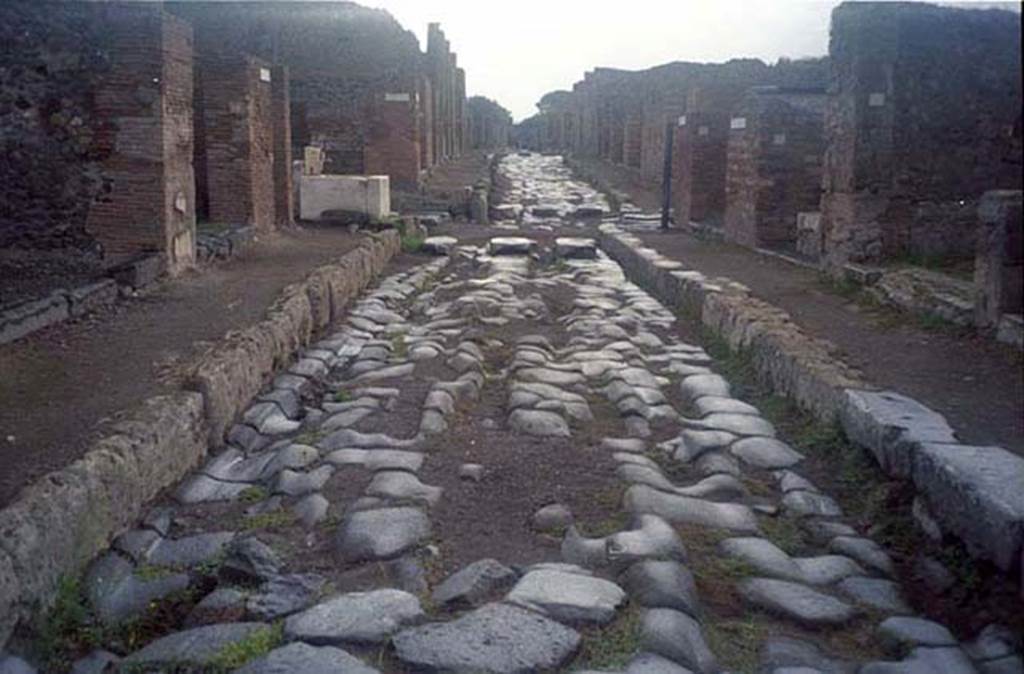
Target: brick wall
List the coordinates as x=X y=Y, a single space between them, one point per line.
x=236 y=124
x=145 y=101
x=426 y=122
x=923 y=117
x=773 y=168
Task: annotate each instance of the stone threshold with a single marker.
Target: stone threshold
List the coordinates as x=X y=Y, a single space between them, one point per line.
x=974 y=493
x=57 y=524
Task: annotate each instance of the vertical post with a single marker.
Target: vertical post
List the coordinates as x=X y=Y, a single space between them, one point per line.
x=666 y=176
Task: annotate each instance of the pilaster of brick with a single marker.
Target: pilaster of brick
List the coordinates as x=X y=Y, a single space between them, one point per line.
x=284 y=208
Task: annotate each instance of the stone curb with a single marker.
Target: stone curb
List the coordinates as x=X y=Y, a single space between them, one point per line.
x=60 y=305
x=60 y=522
x=973 y=492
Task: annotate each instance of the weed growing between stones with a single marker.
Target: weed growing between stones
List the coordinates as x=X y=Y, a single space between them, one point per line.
x=786 y=533
x=272 y=520
x=611 y=646
x=256 y=645
x=342 y=396
x=253 y=494
x=399 y=348
x=736 y=642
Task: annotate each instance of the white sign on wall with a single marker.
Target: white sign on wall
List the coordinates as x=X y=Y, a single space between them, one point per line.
x=264 y=74
x=682 y=120
x=738 y=123
x=397 y=98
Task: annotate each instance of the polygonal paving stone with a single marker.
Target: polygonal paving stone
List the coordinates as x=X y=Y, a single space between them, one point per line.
x=493 y=639
x=369 y=535
x=763 y=556
x=402 y=486
x=651 y=538
x=539 y=422
x=359 y=617
x=798 y=602
x=810 y=504
x=474 y=583
x=925 y=661
x=677 y=636
x=706 y=405
x=117 y=593
x=740 y=424
x=902 y=632
x=683 y=509
x=766 y=453
x=299 y=658
x=863 y=550
x=877 y=593
x=568 y=597
x=189 y=551
x=197 y=646
x=700 y=385
x=662 y=584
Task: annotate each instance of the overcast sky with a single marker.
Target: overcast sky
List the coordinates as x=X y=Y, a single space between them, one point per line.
x=515 y=51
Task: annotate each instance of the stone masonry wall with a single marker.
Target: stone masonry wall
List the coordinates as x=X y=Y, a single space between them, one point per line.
x=923 y=117
x=392 y=144
x=773 y=166
x=489 y=124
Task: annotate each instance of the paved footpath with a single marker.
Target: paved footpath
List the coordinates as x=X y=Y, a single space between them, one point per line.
x=506 y=460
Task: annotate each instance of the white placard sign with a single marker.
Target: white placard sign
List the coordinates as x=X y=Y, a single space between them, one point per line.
x=738 y=123
x=682 y=120
x=264 y=74
x=397 y=98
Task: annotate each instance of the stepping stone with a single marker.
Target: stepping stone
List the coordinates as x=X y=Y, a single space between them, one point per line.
x=292 y=457
x=717 y=463
x=511 y=245
x=766 y=453
x=677 y=637
x=356 y=618
x=576 y=248
x=439 y=245
x=568 y=597
x=299 y=658
x=197 y=646
x=877 y=593
x=925 y=661
x=493 y=639
x=790 y=481
x=662 y=584
x=900 y=633
x=311 y=510
x=810 y=504
x=764 y=556
x=117 y=594
x=402 y=486
x=865 y=551
x=713 y=404
x=204 y=489
x=797 y=602
x=719 y=486
x=249 y=560
x=700 y=385
x=539 y=423
x=474 y=584
x=683 y=509
x=346 y=418
x=369 y=535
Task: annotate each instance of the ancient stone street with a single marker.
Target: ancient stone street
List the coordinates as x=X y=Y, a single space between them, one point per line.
x=508 y=458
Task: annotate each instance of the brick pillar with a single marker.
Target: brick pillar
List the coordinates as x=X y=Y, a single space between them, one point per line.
x=773 y=169
x=391 y=145
x=148 y=204
x=284 y=207
x=701 y=144
x=632 y=140
x=238 y=138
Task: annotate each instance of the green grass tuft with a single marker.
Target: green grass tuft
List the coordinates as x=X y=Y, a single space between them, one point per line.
x=256 y=645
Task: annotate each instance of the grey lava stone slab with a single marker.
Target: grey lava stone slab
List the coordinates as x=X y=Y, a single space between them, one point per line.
x=358 y=617
x=493 y=639
x=299 y=658
x=197 y=646
x=369 y=535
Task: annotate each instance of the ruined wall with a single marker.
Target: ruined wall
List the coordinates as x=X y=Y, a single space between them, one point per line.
x=923 y=117
x=340 y=55
x=95 y=110
x=773 y=166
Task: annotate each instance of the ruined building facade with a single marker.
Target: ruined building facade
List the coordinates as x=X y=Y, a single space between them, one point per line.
x=123 y=122
x=488 y=125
